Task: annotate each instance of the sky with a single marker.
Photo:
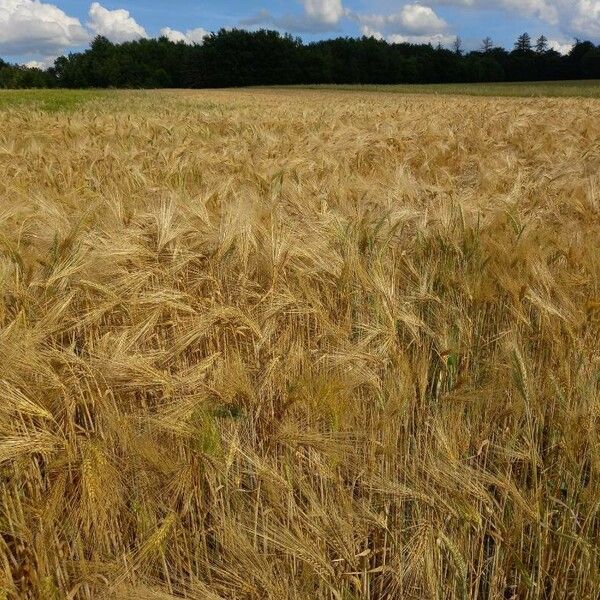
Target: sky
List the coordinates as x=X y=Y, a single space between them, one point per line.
x=37 y=31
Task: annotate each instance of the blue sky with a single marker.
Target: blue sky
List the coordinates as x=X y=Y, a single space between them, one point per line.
x=39 y=30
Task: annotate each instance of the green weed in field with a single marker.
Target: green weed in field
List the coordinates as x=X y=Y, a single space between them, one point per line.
x=49 y=100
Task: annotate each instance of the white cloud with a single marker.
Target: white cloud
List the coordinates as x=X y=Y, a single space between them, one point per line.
x=421 y=19
x=560 y=47
x=586 y=18
x=173 y=34
x=398 y=38
x=572 y=17
x=324 y=11
x=370 y=32
x=434 y=39
x=34 y=27
x=191 y=36
x=415 y=23
x=542 y=9
x=318 y=16
x=45 y=63
x=117 y=25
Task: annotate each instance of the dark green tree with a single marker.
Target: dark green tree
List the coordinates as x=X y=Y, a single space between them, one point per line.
x=457 y=46
x=541 y=45
x=523 y=43
x=487 y=44
x=240 y=58
x=590 y=64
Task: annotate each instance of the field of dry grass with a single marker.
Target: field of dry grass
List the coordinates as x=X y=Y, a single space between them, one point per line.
x=285 y=344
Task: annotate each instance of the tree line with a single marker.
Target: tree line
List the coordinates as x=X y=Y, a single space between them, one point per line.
x=232 y=58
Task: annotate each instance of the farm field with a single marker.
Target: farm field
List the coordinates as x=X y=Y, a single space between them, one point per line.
x=272 y=344
x=552 y=89
x=52 y=100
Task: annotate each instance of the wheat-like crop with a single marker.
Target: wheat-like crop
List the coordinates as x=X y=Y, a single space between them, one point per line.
x=308 y=345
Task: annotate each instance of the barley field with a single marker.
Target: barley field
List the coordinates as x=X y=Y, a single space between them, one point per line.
x=589 y=88
x=288 y=344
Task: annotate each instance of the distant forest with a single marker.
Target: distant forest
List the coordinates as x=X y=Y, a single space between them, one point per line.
x=232 y=58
